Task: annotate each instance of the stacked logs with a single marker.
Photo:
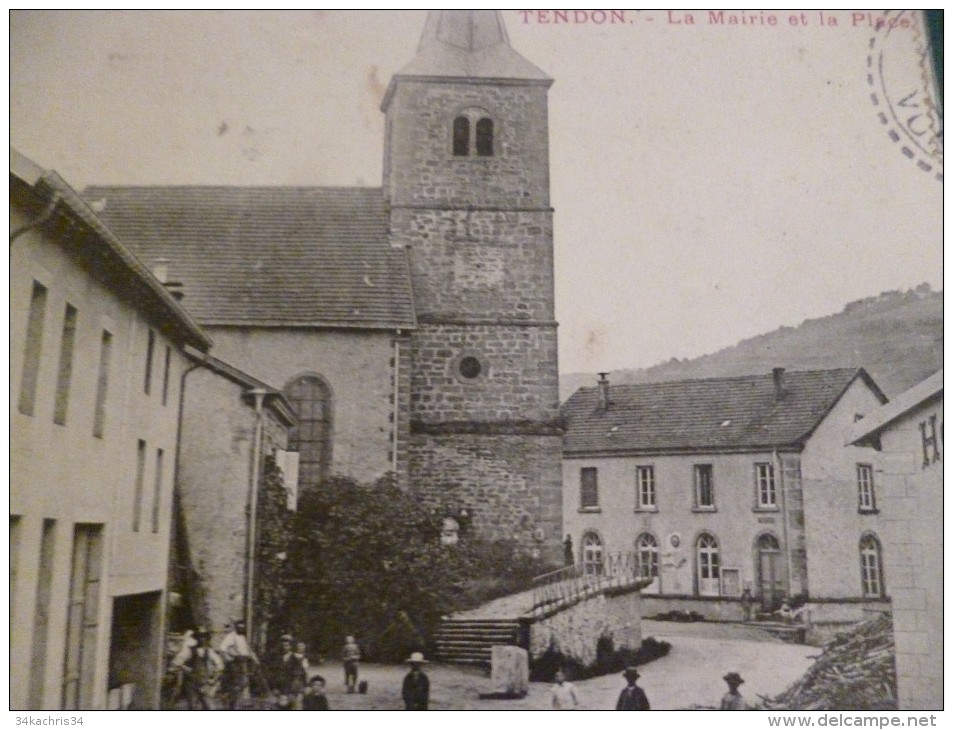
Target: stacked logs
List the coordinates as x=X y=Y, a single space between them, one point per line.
x=855 y=672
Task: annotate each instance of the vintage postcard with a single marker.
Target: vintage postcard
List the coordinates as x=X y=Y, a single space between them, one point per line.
x=476 y=360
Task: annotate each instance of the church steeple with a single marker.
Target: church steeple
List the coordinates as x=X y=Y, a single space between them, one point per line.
x=466 y=44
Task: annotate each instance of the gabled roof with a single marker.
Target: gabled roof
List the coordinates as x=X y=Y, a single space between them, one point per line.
x=98 y=249
x=738 y=413
x=866 y=431
x=269 y=256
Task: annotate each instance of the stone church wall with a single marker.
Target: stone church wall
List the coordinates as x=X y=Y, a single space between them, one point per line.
x=422 y=168
x=509 y=484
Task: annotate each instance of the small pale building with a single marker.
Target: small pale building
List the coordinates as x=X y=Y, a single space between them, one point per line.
x=908 y=477
x=96 y=362
x=726 y=488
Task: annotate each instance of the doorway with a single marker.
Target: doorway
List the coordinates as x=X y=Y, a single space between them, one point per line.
x=770 y=572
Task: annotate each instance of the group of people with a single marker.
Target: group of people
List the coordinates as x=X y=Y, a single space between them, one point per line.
x=207 y=678
x=633 y=697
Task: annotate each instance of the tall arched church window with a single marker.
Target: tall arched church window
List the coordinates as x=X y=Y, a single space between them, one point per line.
x=310 y=397
x=461 y=136
x=484 y=137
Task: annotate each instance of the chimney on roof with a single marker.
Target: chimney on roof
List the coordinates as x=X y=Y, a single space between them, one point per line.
x=603 y=391
x=778 y=374
x=160 y=269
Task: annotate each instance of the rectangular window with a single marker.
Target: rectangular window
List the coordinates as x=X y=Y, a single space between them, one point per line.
x=764 y=485
x=65 y=369
x=82 y=619
x=165 y=375
x=150 y=352
x=589 y=487
x=14 y=557
x=865 y=488
x=32 y=349
x=704 y=487
x=157 y=494
x=140 y=476
x=928 y=437
x=645 y=487
x=102 y=385
x=41 y=616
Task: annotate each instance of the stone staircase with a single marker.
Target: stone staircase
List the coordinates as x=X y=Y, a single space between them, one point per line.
x=469 y=641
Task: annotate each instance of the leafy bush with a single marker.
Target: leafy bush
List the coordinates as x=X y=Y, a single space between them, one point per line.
x=609 y=660
x=367 y=561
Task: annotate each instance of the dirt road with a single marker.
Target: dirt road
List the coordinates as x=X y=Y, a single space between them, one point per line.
x=690 y=675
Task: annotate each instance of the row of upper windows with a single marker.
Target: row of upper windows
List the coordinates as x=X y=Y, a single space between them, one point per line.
x=32 y=358
x=708 y=560
x=765 y=487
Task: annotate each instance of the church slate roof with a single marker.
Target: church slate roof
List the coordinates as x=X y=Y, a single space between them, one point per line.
x=471 y=44
x=713 y=414
x=269 y=256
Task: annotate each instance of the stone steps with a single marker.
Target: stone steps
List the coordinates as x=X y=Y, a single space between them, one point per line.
x=470 y=641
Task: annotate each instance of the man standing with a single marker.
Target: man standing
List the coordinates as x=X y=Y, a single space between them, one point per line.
x=733 y=699
x=202 y=668
x=632 y=697
x=416 y=690
x=239 y=663
x=289 y=675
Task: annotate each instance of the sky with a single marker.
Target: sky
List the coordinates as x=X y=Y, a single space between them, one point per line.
x=711 y=181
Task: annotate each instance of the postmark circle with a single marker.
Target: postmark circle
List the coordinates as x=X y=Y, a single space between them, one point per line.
x=900 y=75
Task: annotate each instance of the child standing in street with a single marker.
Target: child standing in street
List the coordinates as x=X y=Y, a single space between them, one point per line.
x=350 y=655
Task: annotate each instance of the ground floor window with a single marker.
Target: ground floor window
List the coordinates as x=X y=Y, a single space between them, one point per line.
x=646 y=553
x=591 y=554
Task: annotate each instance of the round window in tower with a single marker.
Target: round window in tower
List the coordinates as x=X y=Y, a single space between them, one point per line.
x=470 y=367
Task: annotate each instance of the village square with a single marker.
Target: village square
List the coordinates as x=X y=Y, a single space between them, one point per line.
x=305 y=447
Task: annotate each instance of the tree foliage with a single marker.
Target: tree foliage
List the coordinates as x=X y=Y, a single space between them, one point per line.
x=367 y=561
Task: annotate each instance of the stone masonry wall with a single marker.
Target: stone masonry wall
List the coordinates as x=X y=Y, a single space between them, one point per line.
x=419 y=162
x=509 y=484
x=519 y=379
x=575 y=631
x=479 y=263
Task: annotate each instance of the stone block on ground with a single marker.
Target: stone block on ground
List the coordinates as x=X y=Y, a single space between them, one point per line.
x=509 y=674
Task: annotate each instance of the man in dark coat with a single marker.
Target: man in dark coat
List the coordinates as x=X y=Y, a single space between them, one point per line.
x=632 y=697
x=416 y=691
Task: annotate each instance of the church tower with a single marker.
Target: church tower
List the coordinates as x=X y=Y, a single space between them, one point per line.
x=466 y=178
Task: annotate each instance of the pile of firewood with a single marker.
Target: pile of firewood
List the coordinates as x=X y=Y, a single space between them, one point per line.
x=855 y=672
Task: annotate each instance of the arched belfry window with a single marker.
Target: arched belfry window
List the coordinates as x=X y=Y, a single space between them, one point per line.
x=473 y=132
x=484 y=137
x=310 y=397
x=461 y=137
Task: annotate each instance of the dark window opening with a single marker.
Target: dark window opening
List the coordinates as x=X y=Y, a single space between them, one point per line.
x=484 y=137
x=31 y=355
x=311 y=437
x=461 y=137
x=150 y=350
x=588 y=487
x=65 y=369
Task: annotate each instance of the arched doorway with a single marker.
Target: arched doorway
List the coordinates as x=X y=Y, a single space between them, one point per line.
x=770 y=572
x=646 y=554
x=707 y=565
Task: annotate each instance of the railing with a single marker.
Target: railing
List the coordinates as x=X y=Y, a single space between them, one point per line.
x=562 y=586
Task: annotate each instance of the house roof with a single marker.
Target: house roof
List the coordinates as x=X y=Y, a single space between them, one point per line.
x=274 y=398
x=866 y=431
x=738 y=413
x=269 y=256
x=98 y=249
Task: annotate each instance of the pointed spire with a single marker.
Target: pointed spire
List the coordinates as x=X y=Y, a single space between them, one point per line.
x=469 y=43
